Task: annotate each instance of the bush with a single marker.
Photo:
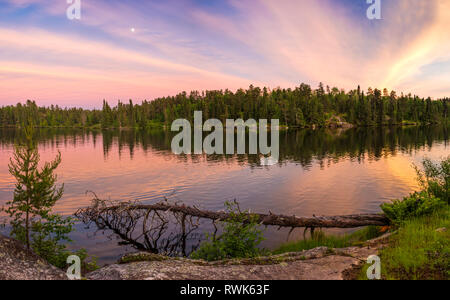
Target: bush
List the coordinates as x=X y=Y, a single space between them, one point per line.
x=416 y=205
x=47 y=237
x=240 y=238
x=435 y=178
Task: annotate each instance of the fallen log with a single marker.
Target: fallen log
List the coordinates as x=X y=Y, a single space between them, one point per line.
x=349 y=221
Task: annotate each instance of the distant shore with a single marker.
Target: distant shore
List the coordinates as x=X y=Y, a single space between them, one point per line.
x=329 y=125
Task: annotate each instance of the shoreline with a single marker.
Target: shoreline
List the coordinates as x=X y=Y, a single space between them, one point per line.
x=281 y=127
x=317 y=263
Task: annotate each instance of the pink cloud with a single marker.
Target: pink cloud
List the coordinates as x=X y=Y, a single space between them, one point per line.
x=75 y=69
x=320 y=41
x=272 y=43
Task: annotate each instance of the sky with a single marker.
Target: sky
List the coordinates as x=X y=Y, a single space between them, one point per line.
x=142 y=50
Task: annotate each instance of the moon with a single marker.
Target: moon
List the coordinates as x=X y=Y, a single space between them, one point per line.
x=133 y=29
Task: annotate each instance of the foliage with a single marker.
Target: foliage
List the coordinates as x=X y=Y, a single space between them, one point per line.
x=298 y=107
x=435 y=182
x=416 y=205
x=319 y=239
x=435 y=178
x=34 y=196
x=240 y=238
x=88 y=262
x=419 y=250
x=47 y=236
x=30 y=212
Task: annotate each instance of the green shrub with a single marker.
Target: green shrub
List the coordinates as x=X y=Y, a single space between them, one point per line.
x=240 y=238
x=416 y=205
x=435 y=178
x=48 y=237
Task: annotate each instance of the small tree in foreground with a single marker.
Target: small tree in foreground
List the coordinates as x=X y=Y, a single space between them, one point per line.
x=240 y=238
x=35 y=194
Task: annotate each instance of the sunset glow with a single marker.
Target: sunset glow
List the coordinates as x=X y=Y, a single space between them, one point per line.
x=147 y=49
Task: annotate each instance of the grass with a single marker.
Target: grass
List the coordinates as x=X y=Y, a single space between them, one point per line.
x=330 y=241
x=418 y=251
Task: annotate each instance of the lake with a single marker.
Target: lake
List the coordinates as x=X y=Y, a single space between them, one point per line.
x=321 y=172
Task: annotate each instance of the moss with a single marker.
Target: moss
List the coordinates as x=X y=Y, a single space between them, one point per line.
x=260 y=261
x=140 y=257
x=330 y=251
x=248 y=262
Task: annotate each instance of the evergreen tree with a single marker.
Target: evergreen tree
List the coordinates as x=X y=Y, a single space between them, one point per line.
x=316 y=106
x=35 y=195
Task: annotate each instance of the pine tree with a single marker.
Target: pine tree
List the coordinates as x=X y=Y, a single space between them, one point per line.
x=35 y=195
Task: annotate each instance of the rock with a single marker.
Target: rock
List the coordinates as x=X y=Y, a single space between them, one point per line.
x=338 y=122
x=18 y=263
x=380 y=241
x=316 y=264
x=325 y=268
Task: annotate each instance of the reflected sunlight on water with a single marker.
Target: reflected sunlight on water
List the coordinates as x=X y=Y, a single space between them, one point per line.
x=321 y=172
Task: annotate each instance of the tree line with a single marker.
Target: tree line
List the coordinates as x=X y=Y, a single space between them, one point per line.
x=298 y=107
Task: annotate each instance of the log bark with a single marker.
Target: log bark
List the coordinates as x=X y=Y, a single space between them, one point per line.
x=349 y=221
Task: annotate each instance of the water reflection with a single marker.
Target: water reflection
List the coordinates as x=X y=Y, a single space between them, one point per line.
x=322 y=172
x=299 y=146
x=160 y=232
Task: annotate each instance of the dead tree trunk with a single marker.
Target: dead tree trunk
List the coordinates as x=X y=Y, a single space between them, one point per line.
x=350 y=221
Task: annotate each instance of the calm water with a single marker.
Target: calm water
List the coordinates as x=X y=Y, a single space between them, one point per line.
x=321 y=172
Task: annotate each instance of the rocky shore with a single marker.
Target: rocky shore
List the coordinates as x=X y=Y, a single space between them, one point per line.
x=17 y=263
x=317 y=264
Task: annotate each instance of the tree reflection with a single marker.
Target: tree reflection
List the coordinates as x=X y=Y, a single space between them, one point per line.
x=298 y=146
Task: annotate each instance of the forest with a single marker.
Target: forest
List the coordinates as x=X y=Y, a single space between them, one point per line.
x=299 y=107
